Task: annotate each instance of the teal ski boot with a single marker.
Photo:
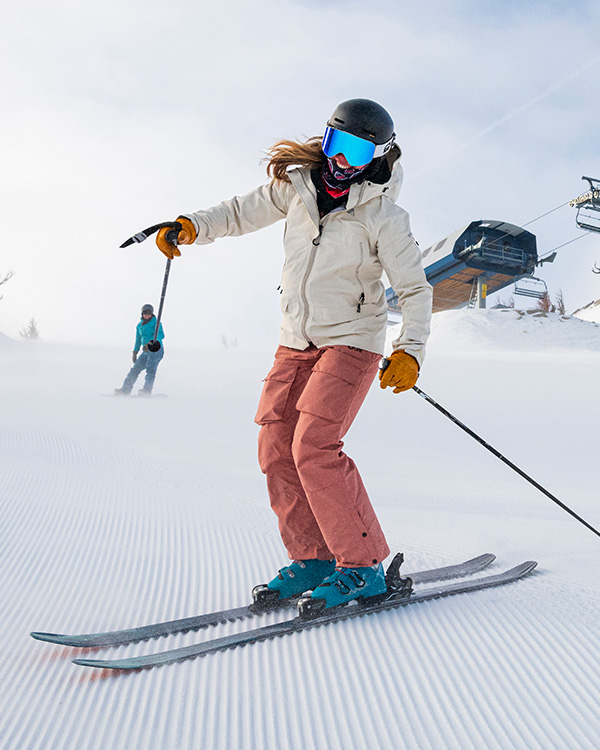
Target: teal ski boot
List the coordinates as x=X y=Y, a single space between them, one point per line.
x=344 y=585
x=290 y=582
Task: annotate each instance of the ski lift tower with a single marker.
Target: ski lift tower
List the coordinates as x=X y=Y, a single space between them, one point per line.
x=476 y=260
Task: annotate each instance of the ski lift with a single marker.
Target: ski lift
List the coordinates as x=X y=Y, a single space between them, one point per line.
x=530 y=286
x=588 y=207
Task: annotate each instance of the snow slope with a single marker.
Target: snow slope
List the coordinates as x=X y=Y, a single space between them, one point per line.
x=590 y=312
x=119 y=512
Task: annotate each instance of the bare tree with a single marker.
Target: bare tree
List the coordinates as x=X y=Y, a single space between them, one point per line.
x=545 y=304
x=7 y=277
x=31 y=331
x=227 y=342
x=501 y=303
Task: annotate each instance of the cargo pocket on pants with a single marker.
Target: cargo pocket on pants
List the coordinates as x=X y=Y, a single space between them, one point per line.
x=276 y=393
x=330 y=393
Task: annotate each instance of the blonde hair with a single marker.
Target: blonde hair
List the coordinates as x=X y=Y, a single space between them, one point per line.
x=286 y=153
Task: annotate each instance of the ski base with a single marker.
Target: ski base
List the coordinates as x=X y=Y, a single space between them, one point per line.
x=298 y=624
x=171 y=627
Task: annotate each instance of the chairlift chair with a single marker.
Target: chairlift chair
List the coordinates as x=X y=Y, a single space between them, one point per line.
x=588 y=207
x=588 y=221
x=531 y=286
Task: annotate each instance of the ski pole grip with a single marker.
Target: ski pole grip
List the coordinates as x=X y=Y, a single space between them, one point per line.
x=174 y=229
x=384 y=363
x=172 y=234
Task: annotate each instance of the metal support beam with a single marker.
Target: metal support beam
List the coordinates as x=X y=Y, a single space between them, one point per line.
x=481 y=291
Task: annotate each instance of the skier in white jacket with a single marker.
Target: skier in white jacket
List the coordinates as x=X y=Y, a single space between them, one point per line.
x=343 y=230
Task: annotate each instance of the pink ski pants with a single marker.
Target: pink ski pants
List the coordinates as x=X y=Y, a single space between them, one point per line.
x=309 y=400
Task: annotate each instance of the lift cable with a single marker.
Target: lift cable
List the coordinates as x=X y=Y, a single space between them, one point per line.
x=569 y=242
x=546 y=214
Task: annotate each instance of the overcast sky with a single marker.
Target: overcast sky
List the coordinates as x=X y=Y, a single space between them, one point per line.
x=121 y=114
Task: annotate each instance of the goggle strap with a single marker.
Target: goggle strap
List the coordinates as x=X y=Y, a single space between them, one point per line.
x=383 y=148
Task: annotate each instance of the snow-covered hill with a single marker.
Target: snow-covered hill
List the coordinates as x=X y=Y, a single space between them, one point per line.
x=515 y=330
x=591 y=311
x=121 y=512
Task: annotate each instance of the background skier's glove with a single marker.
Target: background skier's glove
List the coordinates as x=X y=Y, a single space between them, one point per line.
x=186 y=236
x=134 y=357
x=401 y=373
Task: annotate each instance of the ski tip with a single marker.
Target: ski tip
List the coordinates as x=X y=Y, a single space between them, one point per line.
x=48 y=637
x=87 y=662
x=90 y=663
x=524 y=568
x=121 y=666
x=484 y=560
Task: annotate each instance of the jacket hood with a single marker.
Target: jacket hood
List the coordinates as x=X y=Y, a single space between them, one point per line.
x=365 y=191
x=390 y=188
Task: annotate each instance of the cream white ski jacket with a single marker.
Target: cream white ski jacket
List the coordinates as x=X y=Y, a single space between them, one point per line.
x=331 y=285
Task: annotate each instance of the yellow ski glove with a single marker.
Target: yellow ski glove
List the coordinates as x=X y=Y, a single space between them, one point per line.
x=401 y=373
x=186 y=236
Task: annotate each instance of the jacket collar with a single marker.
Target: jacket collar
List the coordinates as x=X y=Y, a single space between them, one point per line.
x=359 y=192
x=300 y=179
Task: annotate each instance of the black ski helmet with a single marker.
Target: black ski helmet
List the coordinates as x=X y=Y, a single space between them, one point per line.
x=363 y=118
x=148 y=309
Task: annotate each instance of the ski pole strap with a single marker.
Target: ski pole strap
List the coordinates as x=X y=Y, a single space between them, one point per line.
x=175 y=227
x=503 y=458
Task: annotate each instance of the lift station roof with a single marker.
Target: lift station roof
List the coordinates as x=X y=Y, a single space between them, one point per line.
x=501 y=251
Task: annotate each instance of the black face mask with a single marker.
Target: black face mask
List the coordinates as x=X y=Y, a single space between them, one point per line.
x=338 y=178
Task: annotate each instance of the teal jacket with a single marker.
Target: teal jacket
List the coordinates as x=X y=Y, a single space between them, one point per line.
x=144 y=332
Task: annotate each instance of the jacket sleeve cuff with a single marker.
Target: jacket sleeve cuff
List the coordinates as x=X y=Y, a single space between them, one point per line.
x=416 y=351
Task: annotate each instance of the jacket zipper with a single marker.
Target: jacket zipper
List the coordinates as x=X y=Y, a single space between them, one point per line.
x=361 y=299
x=311 y=260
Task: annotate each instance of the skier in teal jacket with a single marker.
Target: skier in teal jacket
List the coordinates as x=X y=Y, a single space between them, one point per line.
x=148 y=360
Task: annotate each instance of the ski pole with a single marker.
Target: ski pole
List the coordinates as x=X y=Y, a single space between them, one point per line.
x=481 y=441
x=154 y=345
x=171 y=236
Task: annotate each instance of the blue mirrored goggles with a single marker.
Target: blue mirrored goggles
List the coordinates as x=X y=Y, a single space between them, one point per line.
x=357 y=151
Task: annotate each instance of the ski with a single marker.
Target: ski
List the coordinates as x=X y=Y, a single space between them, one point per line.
x=298 y=624
x=135 y=395
x=171 y=627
